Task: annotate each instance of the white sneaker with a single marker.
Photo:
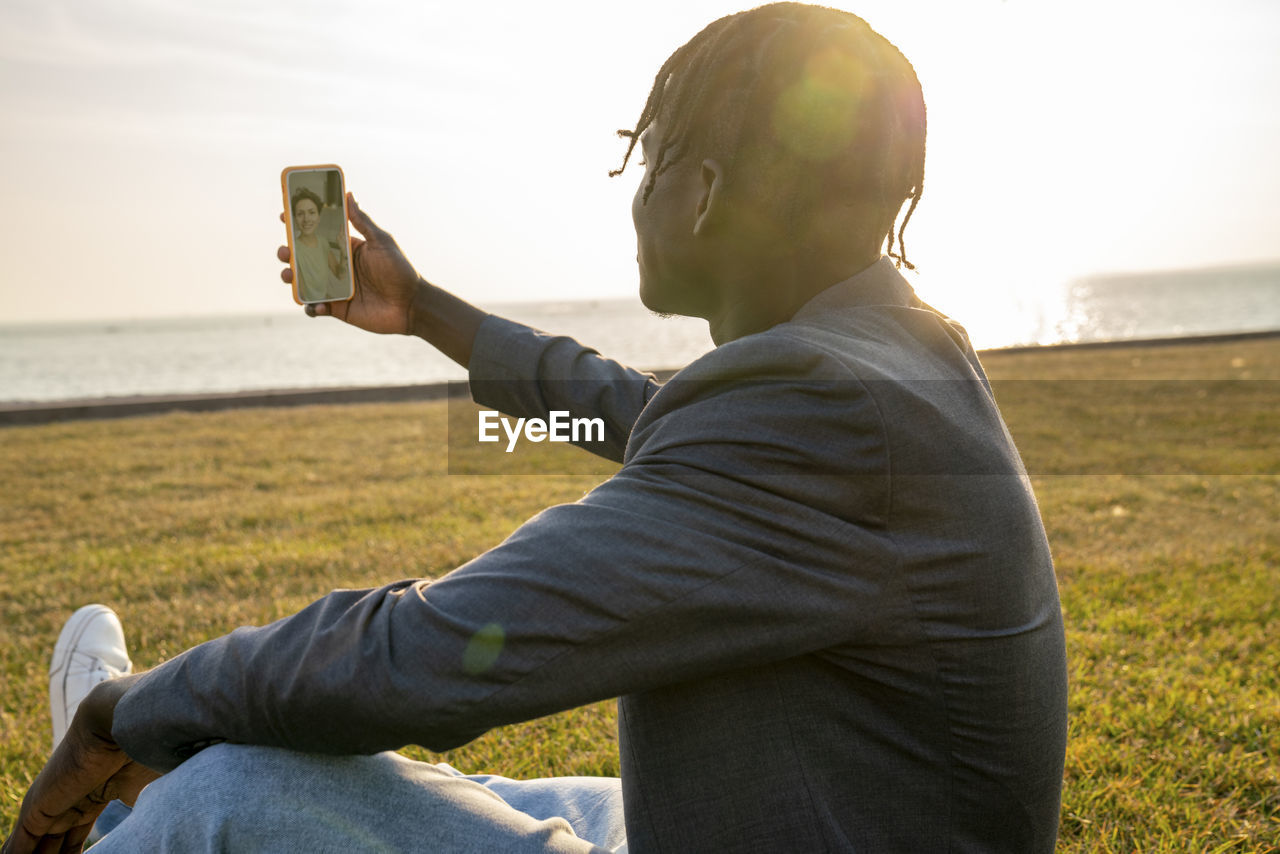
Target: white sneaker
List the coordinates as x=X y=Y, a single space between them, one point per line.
x=90 y=650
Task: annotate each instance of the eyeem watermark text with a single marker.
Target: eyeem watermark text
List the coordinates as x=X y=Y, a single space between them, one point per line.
x=559 y=427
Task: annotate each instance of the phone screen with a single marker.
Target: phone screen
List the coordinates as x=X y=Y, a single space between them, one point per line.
x=315 y=199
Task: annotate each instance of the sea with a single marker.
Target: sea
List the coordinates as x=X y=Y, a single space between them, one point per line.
x=42 y=363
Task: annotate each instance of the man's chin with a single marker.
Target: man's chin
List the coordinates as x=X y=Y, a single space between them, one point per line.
x=653 y=301
x=670 y=299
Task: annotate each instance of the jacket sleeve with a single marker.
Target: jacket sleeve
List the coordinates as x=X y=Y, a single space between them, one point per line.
x=526 y=373
x=748 y=525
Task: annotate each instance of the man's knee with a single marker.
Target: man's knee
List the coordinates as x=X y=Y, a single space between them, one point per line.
x=232 y=773
x=225 y=796
x=242 y=798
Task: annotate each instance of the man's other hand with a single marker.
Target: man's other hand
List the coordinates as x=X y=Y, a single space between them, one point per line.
x=86 y=772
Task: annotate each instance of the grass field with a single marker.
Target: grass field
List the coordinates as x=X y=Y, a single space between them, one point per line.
x=1157 y=470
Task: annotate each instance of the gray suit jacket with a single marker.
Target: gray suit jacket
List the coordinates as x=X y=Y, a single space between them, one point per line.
x=819 y=585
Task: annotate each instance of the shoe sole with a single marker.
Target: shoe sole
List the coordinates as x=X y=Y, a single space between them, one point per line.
x=60 y=665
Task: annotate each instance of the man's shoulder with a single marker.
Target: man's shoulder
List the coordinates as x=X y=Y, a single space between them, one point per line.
x=767 y=389
x=775 y=354
x=865 y=343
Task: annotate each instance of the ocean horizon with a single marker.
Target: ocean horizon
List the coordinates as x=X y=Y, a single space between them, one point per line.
x=49 y=362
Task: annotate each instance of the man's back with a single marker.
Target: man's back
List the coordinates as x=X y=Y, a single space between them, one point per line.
x=934 y=717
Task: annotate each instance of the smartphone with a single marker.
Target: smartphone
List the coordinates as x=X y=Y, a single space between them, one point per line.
x=315 y=204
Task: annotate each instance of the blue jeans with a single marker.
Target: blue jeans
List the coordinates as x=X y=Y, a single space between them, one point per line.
x=240 y=798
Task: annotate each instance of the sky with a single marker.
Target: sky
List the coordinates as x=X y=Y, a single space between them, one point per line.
x=141 y=142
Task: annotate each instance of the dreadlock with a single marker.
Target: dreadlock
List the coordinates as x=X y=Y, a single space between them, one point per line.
x=789 y=85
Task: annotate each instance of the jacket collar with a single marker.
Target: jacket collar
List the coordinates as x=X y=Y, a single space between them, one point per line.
x=879 y=284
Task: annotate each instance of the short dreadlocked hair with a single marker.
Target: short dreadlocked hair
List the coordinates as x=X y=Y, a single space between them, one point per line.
x=811 y=99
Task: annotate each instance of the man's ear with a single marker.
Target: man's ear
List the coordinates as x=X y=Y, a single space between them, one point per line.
x=709 y=200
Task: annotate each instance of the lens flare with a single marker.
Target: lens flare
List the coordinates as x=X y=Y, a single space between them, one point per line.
x=483 y=649
x=816 y=117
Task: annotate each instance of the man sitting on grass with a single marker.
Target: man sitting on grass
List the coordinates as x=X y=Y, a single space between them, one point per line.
x=819 y=584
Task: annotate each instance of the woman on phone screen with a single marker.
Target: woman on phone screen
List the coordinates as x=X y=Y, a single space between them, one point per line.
x=320 y=262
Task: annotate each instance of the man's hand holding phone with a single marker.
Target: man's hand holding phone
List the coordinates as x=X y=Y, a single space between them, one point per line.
x=388 y=295
x=385 y=281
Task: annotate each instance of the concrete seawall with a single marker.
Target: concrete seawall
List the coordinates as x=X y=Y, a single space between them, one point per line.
x=44 y=412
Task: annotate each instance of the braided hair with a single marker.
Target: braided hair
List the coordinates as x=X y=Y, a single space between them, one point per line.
x=809 y=100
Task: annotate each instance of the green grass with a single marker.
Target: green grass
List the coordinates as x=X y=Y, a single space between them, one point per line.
x=1160 y=504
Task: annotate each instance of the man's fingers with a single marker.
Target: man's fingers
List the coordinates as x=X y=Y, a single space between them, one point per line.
x=72 y=839
x=15 y=842
x=129 y=783
x=55 y=815
x=286 y=275
x=361 y=220
x=19 y=842
x=76 y=836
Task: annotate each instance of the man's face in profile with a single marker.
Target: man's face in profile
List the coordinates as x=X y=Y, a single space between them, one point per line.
x=666 y=250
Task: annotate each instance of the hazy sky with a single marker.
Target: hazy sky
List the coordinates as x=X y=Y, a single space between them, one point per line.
x=142 y=142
